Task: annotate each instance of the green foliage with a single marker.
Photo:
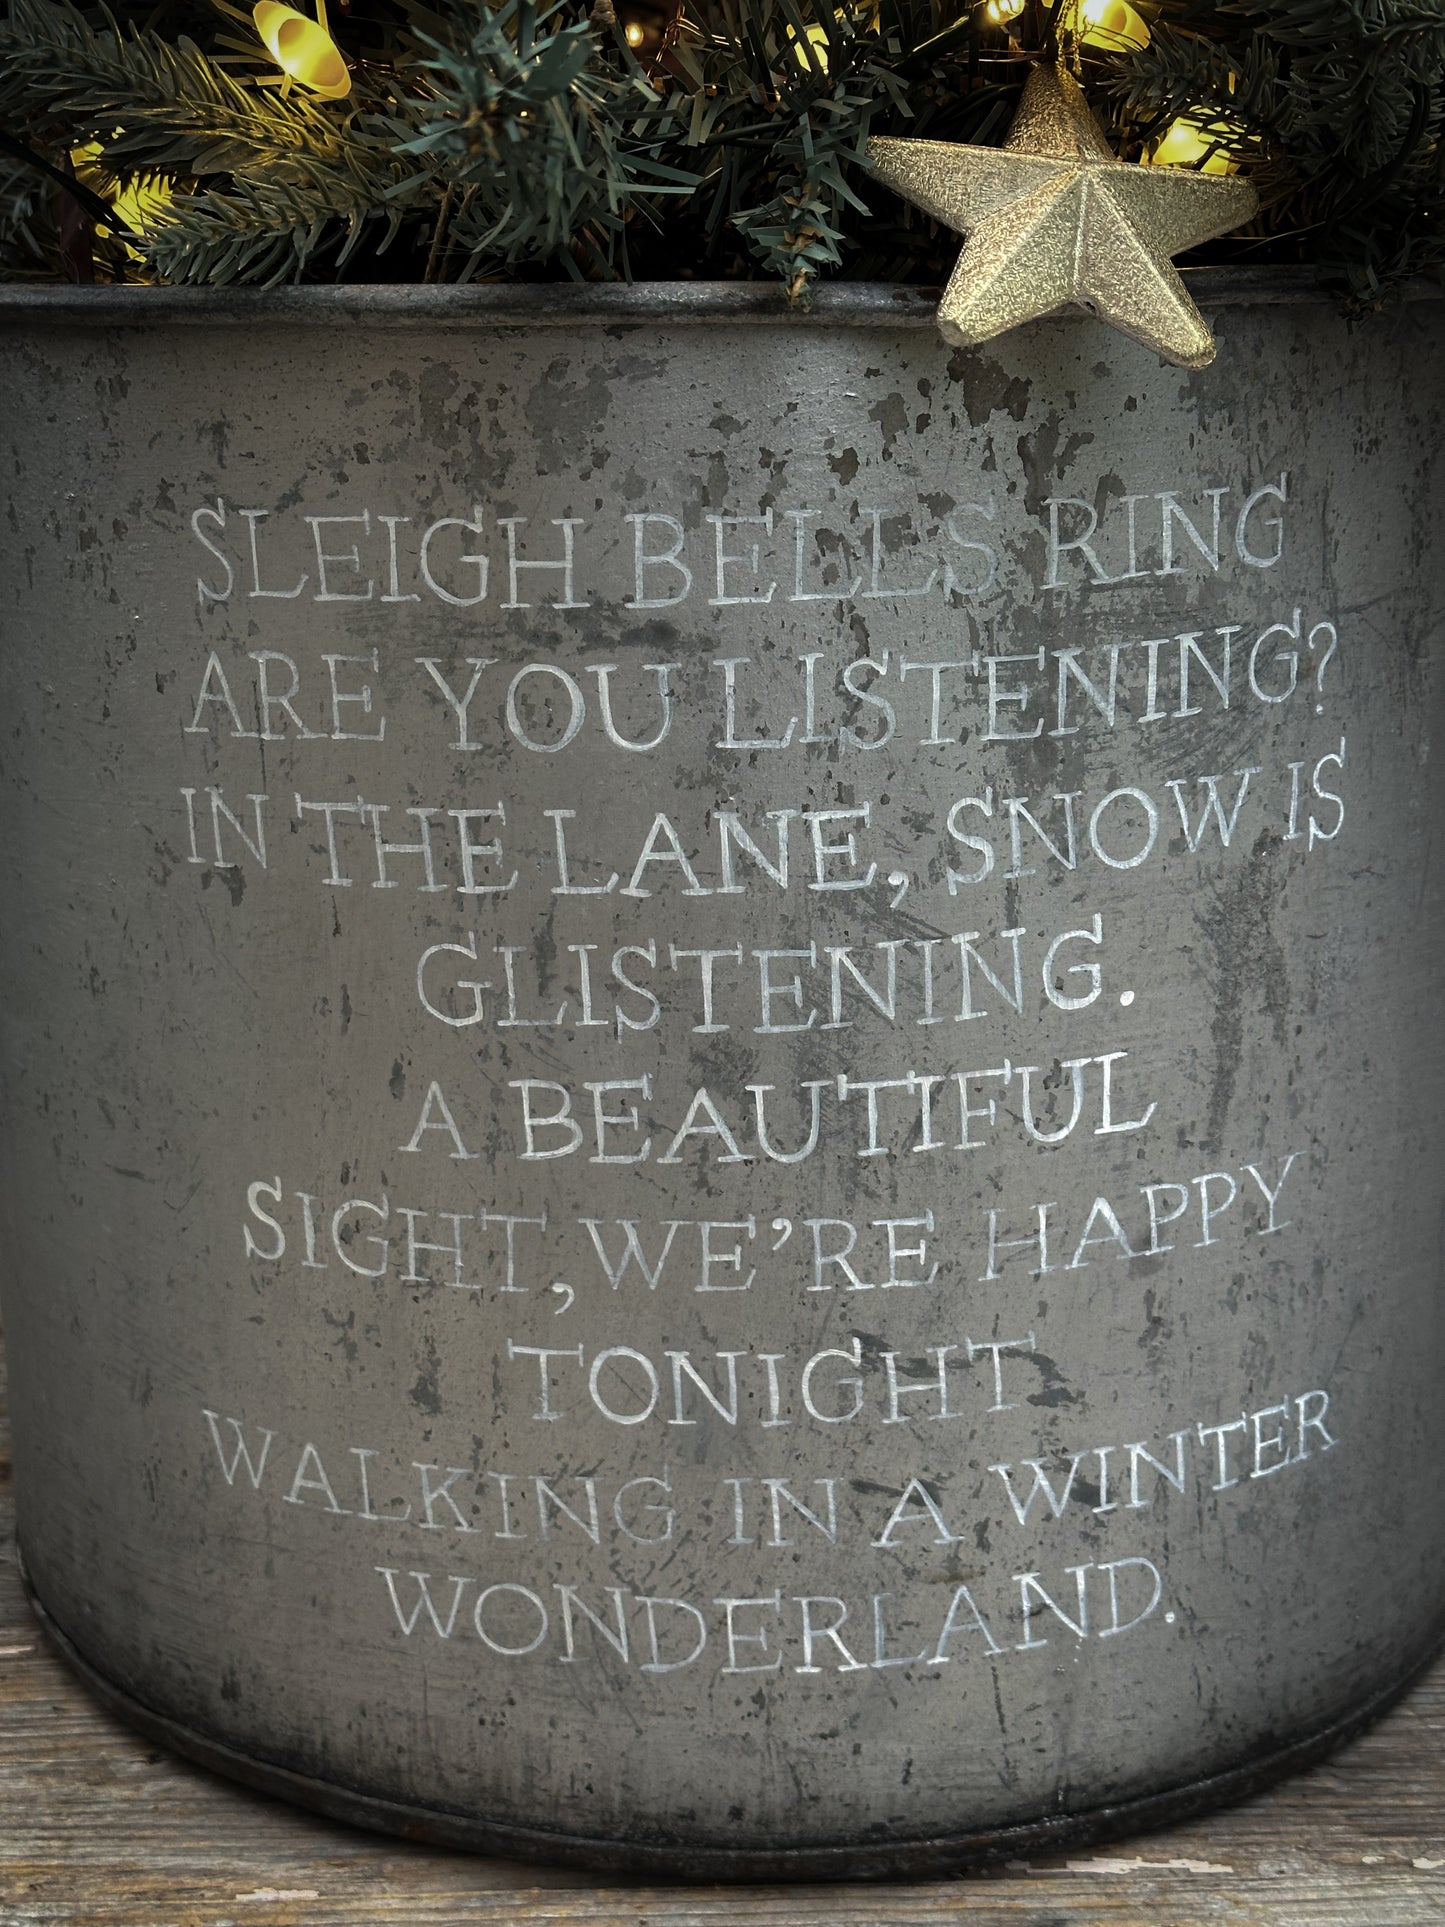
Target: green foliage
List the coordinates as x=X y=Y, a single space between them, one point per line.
x=489 y=137
x=1339 y=103
x=541 y=147
x=23 y=239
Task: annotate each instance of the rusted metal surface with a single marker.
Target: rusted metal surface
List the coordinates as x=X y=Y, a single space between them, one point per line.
x=759 y=1179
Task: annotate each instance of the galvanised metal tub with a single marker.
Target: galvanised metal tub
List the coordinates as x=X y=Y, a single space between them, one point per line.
x=723 y=1102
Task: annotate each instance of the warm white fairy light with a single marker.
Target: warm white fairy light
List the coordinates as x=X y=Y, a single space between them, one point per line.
x=302 y=48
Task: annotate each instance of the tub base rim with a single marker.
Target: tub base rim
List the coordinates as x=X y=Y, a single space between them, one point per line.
x=684 y=1861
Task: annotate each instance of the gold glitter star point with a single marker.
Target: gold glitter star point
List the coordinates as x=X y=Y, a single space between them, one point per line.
x=1052 y=220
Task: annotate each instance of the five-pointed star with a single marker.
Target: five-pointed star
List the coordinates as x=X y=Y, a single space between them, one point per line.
x=1052 y=219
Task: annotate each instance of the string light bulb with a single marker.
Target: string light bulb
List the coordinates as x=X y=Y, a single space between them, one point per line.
x=647 y=25
x=1189 y=143
x=1000 y=12
x=303 y=49
x=1113 y=25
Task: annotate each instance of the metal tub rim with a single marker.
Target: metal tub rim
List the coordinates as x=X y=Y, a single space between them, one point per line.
x=837 y=304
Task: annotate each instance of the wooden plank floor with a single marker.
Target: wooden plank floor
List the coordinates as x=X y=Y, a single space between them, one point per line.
x=99 y=1828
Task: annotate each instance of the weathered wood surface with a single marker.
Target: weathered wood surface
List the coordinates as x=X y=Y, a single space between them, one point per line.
x=97 y=1827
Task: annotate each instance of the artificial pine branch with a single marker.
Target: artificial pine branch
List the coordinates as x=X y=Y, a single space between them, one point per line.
x=263 y=233
x=484 y=137
x=150 y=104
x=547 y=145
x=1338 y=104
x=27 y=241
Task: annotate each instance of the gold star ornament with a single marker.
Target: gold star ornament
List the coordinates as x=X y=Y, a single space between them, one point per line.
x=1053 y=220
